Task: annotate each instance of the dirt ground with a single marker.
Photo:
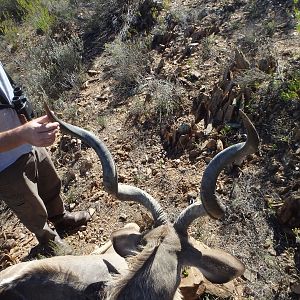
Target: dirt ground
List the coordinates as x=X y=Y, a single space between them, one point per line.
x=253 y=194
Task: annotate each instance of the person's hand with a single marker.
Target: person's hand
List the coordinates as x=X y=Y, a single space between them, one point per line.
x=40 y=132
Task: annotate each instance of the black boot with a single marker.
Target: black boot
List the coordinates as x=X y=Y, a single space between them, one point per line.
x=70 y=220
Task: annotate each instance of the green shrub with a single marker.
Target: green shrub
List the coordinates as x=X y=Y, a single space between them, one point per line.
x=254 y=9
x=54 y=67
x=207 y=46
x=269 y=27
x=10 y=14
x=52 y=64
x=61 y=9
x=9 y=9
x=24 y=15
x=9 y=29
x=128 y=62
x=102 y=122
x=166 y=97
x=108 y=18
x=36 y=14
x=292 y=89
x=120 y=17
x=297 y=14
x=186 y=15
x=163 y=100
x=252 y=78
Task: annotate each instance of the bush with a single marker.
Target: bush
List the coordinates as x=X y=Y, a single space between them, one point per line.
x=54 y=67
x=291 y=88
x=297 y=14
x=128 y=62
x=9 y=8
x=186 y=15
x=163 y=100
x=19 y=18
x=160 y=102
x=9 y=29
x=123 y=18
x=107 y=20
x=36 y=14
x=59 y=8
x=166 y=97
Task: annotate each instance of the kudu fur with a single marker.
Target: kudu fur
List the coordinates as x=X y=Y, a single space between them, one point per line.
x=156 y=257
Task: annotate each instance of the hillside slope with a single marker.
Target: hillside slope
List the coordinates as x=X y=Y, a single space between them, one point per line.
x=158 y=83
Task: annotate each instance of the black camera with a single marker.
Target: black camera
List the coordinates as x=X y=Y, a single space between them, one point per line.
x=22 y=105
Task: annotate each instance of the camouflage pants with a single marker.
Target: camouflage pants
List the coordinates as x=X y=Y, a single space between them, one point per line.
x=31 y=188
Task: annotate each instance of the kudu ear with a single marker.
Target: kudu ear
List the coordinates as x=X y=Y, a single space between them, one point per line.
x=216 y=265
x=219 y=266
x=126 y=240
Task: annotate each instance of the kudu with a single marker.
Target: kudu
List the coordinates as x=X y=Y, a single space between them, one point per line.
x=156 y=257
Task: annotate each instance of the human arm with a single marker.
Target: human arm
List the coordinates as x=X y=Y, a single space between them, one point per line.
x=38 y=132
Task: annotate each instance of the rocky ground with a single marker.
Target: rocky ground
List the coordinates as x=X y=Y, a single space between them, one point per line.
x=220 y=54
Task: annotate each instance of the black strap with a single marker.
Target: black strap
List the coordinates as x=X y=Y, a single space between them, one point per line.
x=3 y=99
x=3 y=106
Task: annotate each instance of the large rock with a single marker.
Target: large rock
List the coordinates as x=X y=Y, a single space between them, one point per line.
x=190 y=284
x=289 y=213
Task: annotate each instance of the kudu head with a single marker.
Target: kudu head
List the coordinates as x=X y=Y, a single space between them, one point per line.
x=159 y=255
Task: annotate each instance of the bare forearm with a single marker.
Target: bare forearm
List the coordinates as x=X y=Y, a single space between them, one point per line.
x=38 y=132
x=11 y=139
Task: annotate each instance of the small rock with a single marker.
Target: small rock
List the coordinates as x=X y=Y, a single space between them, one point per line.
x=151 y=160
x=191 y=196
x=207 y=159
x=289 y=213
x=220 y=146
x=83 y=228
x=267 y=64
x=240 y=60
x=69 y=176
x=248 y=291
x=92 y=211
x=295 y=288
x=184 y=129
x=72 y=206
x=272 y=252
x=22 y=235
x=85 y=166
x=268 y=243
x=177 y=161
x=194 y=76
x=123 y=217
x=148 y=172
x=154 y=171
x=250 y=275
x=194 y=154
x=93 y=240
x=93 y=72
x=210 y=144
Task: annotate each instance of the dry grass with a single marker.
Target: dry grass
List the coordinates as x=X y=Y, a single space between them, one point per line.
x=127 y=61
x=249 y=232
